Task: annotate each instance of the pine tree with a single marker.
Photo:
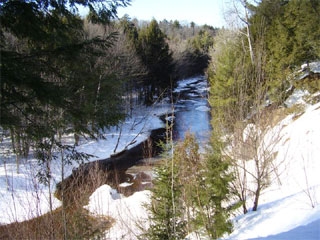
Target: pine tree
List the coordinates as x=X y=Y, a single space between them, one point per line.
x=290 y=37
x=52 y=77
x=214 y=195
x=190 y=194
x=231 y=88
x=166 y=210
x=55 y=81
x=157 y=57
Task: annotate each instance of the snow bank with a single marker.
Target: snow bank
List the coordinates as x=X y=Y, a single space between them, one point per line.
x=128 y=212
x=313 y=66
x=291 y=205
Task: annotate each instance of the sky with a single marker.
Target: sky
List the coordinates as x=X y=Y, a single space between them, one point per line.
x=200 y=12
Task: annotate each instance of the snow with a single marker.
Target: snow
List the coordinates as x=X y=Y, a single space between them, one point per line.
x=313 y=66
x=285 y=210
x=203 y=108
x=306 y=69
x=296 y=98
x=23 y=197
x=289 y=208
x=276 y=217
x=130 y=215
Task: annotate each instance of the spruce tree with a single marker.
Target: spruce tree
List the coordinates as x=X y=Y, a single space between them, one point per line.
x=190 y=193
x=291 y=38
x=190 y=174
x=52 y=77
x=166 y=209
x=213 y=196
x=157 y=57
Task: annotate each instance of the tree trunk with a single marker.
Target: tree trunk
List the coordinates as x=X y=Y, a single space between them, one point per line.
x=256 y=198
x=244 y=207
x=249 y=34
x=15 y=140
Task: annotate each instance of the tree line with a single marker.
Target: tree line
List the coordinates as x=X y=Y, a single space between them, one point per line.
x=62 y=73
x=252 y=69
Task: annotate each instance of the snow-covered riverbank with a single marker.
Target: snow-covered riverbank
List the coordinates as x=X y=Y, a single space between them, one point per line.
x=290 y=207
x=23 y=197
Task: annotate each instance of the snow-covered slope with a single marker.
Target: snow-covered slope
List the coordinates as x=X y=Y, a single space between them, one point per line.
x=129 y=213
x=290 y=207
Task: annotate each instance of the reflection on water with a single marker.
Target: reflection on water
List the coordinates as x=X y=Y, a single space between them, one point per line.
x=192 y=113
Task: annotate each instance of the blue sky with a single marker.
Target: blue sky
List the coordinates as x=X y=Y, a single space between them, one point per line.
x=199 y=11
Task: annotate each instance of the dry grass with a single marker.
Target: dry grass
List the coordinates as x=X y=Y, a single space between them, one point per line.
x=71 y=221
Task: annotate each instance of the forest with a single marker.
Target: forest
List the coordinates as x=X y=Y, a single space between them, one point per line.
x=62 y=73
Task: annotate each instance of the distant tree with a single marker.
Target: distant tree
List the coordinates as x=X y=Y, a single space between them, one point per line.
x=157 y=57
x=193 y=58
x=202 y=42
x=176 y=24
x=129 y=68
x=130 y=30
x=192 y=25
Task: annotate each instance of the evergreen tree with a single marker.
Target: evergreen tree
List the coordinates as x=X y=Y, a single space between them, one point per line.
x=291 y=38
x=155 y=54
x=231 y=87
x=214 y=192
x=54 y=80
x=190 y=177
x=166 y=210
x=190 y=193
x=46 y=69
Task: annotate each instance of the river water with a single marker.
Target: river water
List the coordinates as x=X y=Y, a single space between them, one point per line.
x=192 y=112
x=191 y=115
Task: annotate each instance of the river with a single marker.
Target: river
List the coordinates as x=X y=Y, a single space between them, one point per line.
x=191 y=115
x=131 y=170
x=192 y=112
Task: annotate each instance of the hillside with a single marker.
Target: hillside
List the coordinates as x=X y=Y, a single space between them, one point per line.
x=289 y=208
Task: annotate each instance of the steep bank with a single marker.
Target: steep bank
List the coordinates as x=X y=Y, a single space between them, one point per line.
x=113 y=168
